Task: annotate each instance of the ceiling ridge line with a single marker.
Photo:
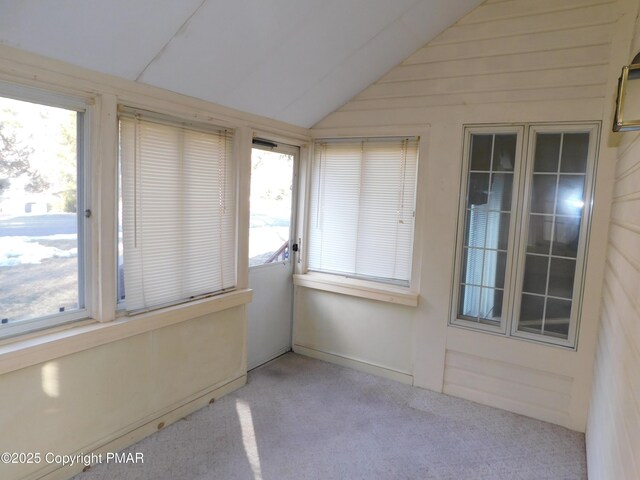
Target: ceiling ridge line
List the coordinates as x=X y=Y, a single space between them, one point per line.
x=328 y=74
x=164 y=47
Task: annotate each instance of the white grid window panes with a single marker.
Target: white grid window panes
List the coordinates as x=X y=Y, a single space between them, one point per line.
x=487 y=220
x=362 y=202
x=525 y=207
x=556 y=203
x=178 y=211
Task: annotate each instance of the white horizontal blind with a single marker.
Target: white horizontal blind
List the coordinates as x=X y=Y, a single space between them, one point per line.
x=178 y=197
x=361 y=217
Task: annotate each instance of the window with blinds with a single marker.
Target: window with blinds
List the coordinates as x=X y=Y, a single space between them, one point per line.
x=178 y=211
x=362 y=202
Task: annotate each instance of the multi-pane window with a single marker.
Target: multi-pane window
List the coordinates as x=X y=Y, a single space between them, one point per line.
x=42 y=221
x=361 y=213
x=178 y=211
x=523 y=229
x=555 y=218
x=488 y=213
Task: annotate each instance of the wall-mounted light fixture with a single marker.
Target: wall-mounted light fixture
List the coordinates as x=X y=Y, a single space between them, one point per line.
x=628 y=101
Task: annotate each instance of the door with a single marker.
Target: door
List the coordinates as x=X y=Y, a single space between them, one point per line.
x=273 y=169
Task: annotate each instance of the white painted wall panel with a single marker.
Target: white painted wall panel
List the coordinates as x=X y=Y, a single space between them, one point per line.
x=521 y=8
x=560 y=58
x=487 y=82
x=348 y=327
x=516 y=44
x=520 y=389
x=416 y=103
x=613 y=430
x=542 y=20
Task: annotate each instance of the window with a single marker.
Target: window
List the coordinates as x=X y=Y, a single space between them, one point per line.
x=178 y=211
x=523 y=226
x=361 y=212
x=272 y=172
x=488 y=216
x=42 y=205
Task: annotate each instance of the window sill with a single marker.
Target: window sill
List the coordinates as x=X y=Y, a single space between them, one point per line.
x=357 y=288
x=50 y=344
x=521 y=336
x=499 y=329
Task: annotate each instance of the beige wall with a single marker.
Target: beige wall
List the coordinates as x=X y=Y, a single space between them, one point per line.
x=80 y=402
x=344 y=326
x=507 y=61
x=613 y=429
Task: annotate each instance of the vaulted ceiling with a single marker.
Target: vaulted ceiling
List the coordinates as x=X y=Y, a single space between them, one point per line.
x=292 y=60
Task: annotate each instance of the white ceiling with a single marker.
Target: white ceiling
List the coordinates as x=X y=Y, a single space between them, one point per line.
x=292 y=60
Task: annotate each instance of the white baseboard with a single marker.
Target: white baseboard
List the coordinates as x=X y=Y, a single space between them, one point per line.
x=136 y=432
x=355 y=364
x=262 y=361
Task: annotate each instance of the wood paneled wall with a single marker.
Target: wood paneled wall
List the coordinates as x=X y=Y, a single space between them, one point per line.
x=513 y=51
x=613 y=430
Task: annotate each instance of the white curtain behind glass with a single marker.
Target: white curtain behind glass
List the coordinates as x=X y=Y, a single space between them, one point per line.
x=484 y=231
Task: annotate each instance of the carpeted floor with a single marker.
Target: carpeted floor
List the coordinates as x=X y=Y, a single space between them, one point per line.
x=300 y=418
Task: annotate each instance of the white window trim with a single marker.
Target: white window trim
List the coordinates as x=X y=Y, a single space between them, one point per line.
x=518 y=224
x=84 y=192
x=357 y=287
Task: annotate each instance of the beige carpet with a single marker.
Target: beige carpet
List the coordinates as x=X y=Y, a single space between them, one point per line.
x=300 y=418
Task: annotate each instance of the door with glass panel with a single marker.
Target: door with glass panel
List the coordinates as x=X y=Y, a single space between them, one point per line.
x=273 y=168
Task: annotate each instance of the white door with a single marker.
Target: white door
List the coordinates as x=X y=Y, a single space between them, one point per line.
x=273 y=169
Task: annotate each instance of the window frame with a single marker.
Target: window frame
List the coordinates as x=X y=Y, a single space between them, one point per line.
x=593 y=129
x=85 y=241
x=361 y=285
x=513 y=222
x=518 y=229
